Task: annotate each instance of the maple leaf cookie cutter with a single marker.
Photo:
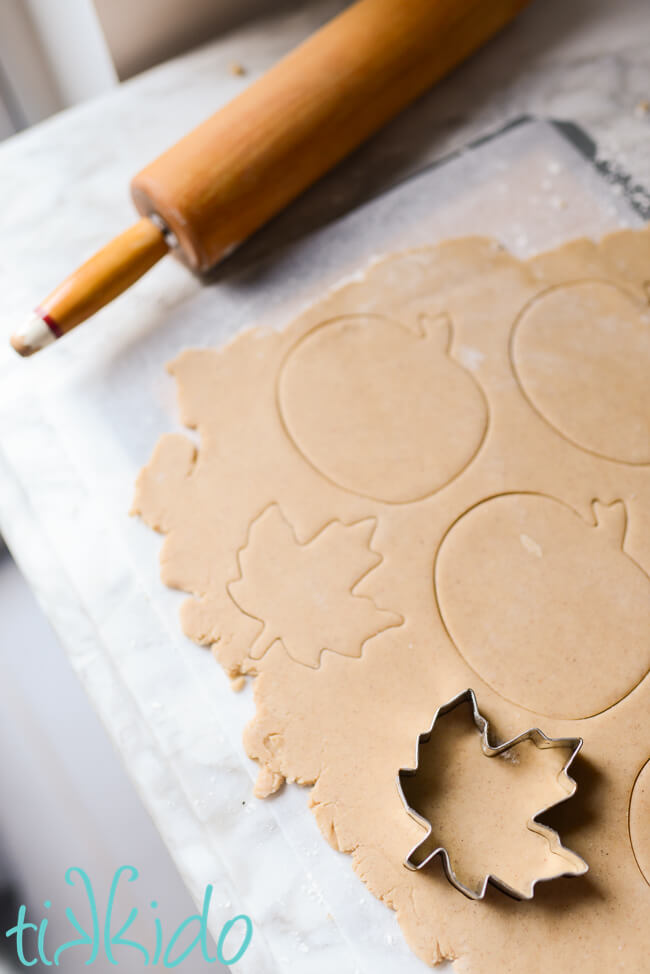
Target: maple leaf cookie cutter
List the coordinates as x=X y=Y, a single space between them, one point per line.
x=540 y=740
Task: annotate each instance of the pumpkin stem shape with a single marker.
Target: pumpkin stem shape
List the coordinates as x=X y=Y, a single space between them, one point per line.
x=438 y=329
x=611 y=521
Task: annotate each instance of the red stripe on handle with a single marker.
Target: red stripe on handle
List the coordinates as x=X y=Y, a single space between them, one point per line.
x=49 y=321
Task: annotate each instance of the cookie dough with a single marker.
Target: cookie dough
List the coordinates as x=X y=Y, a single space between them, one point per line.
x=639 y=818
x=438 y=478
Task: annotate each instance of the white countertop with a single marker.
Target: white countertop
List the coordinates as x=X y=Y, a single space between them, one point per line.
x=63 y=192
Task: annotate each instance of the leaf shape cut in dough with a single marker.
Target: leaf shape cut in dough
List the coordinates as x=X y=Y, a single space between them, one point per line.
x=479 y=803
x=304 y=594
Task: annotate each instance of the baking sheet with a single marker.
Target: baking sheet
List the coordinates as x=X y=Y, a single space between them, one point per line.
x=80 y=420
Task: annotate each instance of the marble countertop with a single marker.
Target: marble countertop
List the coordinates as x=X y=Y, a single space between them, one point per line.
x=63 y=192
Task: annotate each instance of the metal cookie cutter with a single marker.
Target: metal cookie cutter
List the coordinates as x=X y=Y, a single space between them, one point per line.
x=540 y=740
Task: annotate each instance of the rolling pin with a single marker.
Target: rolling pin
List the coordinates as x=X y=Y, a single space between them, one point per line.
x=211 y=190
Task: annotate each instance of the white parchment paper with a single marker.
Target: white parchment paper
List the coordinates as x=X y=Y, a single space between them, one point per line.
x=80 y=420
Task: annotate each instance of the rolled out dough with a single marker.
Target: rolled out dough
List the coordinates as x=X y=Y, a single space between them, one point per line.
x=438 y=477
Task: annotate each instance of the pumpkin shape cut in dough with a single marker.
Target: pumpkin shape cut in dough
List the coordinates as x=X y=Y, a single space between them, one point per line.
x=640 y=821
x=545 y=607
x=380 y=409
x=581 y=353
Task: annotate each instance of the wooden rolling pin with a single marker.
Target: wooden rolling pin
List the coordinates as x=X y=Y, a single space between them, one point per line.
x=225 y=179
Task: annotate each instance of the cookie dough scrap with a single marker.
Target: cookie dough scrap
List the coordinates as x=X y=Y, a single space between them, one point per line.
x=438 y=477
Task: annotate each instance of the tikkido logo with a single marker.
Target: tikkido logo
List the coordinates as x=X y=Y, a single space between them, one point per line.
x=101 y=939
